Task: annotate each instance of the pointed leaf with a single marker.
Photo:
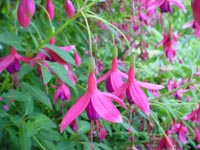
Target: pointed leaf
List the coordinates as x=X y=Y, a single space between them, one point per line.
x=46 y=75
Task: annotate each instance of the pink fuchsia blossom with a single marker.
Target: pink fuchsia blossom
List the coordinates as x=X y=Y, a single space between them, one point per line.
x=77 y=59
x=12 y=61
x=29 y=7
x=69 y=9
x=62 y=93
x=134 y=92
x=113 y=77
x=165 y=5
x=195 y=4
x=6 y=107
x=172 y=84
x=195 y=26
x=166 y=142
x=50 y=9
x=95 y=102
x=180 y=129
x=194 y=116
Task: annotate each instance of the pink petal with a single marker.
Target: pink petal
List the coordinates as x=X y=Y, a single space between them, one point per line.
x=5 y=62
x=115 y=98
x=188 y=25
x=105 y=108
x=105 y=76
x=150 y=85
x=178 y=4
x=123 y=74
x=67 y=48
x=74 y=111
x=139 y=98
x=182 y=134
x=116 y=80
x=155 y=5
x=121 y=90
x=56 y=95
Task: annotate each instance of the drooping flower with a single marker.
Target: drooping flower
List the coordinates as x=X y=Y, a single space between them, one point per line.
x=12 y=62
x=134 y=92
x=50 y=8
x=195 y=4
x=194 y=116
x=98 y=104
x=166 y=142
x=165 y=5
x=113 y=77
x=195 y=26
x=62 y=93
x=180 y=129
x=69 y=9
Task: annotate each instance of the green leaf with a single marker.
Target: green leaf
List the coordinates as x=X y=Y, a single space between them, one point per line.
x=25 y=142
x=46 y=75
x=29 y=106
x=84 y=126
x=64 y=55
x=61 y=73
x=37 y=94
x=11 y=39
x=43 y=122
x=31 y=129
x=18 y=96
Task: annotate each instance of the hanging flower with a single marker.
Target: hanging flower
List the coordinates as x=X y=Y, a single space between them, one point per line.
x=166 y=142
x=113 y=77
x=69 y=9
x=50 y=9
x=97 y=104
x=195 y=4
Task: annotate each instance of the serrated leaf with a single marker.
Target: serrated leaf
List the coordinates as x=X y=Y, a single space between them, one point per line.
x=37 y=94
x=64 y=55
x=61 y=73
x=46 y=75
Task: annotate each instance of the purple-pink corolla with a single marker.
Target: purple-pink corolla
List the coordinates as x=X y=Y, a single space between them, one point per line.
x=165 y=5
x=50 y=9
x=113 y=77
x=69 y=9
x=194 y=116
x=97 y=104
x=180 y=129
x=62 y=92
x=166 y=142
x=77 y=59
x=172 y=84
x=195 y=4
x=134 y=92
x=195 y=26
x=12 y=62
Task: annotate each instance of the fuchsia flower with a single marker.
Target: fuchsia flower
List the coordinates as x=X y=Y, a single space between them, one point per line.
x=62 y=92
x=180 y=129
x=69 y=9
x=12 y=62
x=50 y=9
x=195 y=26
x=97 y=104
x=165 y=5
x=194 y=116
x=172 y=84
x=169 y=39
x=167 y=143
x=25 y=12
x=134 y=92
x=113 y=76
x=195 y=4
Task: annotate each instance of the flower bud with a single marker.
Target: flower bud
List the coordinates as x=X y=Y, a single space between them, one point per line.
x=77 y=59
x=29 y=7
x=23 y=19
x=50 y=9
x=69 y=9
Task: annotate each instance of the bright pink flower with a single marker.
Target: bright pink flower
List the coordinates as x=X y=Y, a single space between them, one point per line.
x=113 y=76
x=167 y=143
x=165 y=5
x=180 y=129
x=98 y=104
x=77 y=59
x=74 y=126
x=69 y=9
x=134 y=92
x=12 y=61
x=195 y=4
x=6 y=107
x=194 y=116
x=50 y=9
x=62 y=92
